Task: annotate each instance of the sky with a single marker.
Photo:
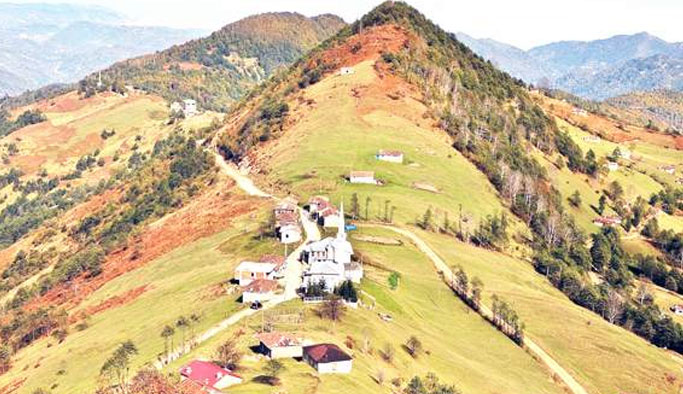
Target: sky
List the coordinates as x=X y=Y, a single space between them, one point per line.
x=523 y=23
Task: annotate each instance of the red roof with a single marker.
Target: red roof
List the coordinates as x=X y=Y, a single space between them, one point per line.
x=362 y=174
x=326 y=353
x=287 y=217
x=274 y=259
x=278 y=339
x=205 y=373
x=394 y=153
x=261 y=286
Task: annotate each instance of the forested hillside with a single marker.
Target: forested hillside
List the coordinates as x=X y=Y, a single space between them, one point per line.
x=217 y=70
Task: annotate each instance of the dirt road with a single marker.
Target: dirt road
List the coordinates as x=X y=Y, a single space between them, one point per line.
x=448 y=276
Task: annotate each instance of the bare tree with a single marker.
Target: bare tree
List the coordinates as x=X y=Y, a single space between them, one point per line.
x=332 y=308
x=228 y=354
x=614 y=306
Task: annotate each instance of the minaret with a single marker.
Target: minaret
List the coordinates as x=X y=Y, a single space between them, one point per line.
x=341 y=231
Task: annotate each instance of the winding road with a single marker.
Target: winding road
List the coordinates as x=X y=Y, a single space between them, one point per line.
x=293 y=272
x=449 y=278
x=293 y=277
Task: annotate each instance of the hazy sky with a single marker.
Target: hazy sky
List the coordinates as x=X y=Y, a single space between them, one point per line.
x=524 y=23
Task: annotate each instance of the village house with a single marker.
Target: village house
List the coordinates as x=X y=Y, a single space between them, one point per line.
x=279 y=345
x=677 y=309
x=316 y=204
x=329 y=217
x=625 y=154
x=327 y=358
x=208 y=377
x=248 y=271
x=607 y=221
x=346 y=71
x=260 y=290
x=392 y=156
x=612 y=165
x=592 y=138
x=367 y=177
x=189 y=108
x=329 y=260
x=670 y=169
x=287 y=226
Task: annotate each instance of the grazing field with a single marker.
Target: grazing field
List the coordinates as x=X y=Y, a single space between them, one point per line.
x=351 y=118
x=185 y=281
x=604 y=358
x=459 y=346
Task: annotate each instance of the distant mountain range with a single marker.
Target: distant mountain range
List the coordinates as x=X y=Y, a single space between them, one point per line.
x=597 y=69
x=42 y=44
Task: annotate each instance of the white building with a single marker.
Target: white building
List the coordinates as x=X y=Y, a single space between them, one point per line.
x=207 y=377
x=279 y=345
x=367 y=177
x=329 y=260
x=327 y=358
x=346 y=71
x=625 y=154
x=289 y=234
x=249 y=271
x=392 y=156
x=189 y=108
x=612 y=166
x=330 y=217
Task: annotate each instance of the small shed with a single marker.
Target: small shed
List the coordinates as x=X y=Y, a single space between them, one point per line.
x=366 y=177
x=612 y=165
x=346 y=71
x=279 y=345
x=392 y=156
x=249 y=271
x=327 y=358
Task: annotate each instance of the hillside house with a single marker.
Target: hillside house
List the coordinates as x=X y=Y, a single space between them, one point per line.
x=289 y=234
x=670 y=169
x=594 y=139
x=287 y=206
x=327 y=358
x=677 y=309
x=329 y=260
x=625 y=154
x=612 y=165
x=366 y=177
x=329 y=217
x=317 y=204
x=608 y=221
x=346 y=71
x=260 y=290
x=209 y=377
x=279 y=345
x=189 y=108
x=248 y=271
x=392 y=156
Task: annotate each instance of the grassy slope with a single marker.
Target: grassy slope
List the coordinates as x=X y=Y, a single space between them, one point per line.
x=177 y=281
x=343 y=133
x=604 y=358
x=463 y=349
x=597 y=353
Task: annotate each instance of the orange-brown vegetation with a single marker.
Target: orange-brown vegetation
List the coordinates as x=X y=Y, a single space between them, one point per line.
x=608 y=128
x=207 y=214
x=117 y=300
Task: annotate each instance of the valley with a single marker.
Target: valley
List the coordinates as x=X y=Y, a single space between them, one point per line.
x=473 y=234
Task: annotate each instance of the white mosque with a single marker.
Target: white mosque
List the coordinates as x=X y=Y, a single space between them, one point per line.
x=329 y=260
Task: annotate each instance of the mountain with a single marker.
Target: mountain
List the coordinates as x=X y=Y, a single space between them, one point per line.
x=122 y=227
x=217 y=70
x=511 y=59
x=592 y=69
x=42 y=44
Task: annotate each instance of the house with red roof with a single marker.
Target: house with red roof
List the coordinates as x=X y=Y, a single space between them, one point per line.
x=327 y=358
x=260 y=290
x=279 y=345
x=209 y=377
